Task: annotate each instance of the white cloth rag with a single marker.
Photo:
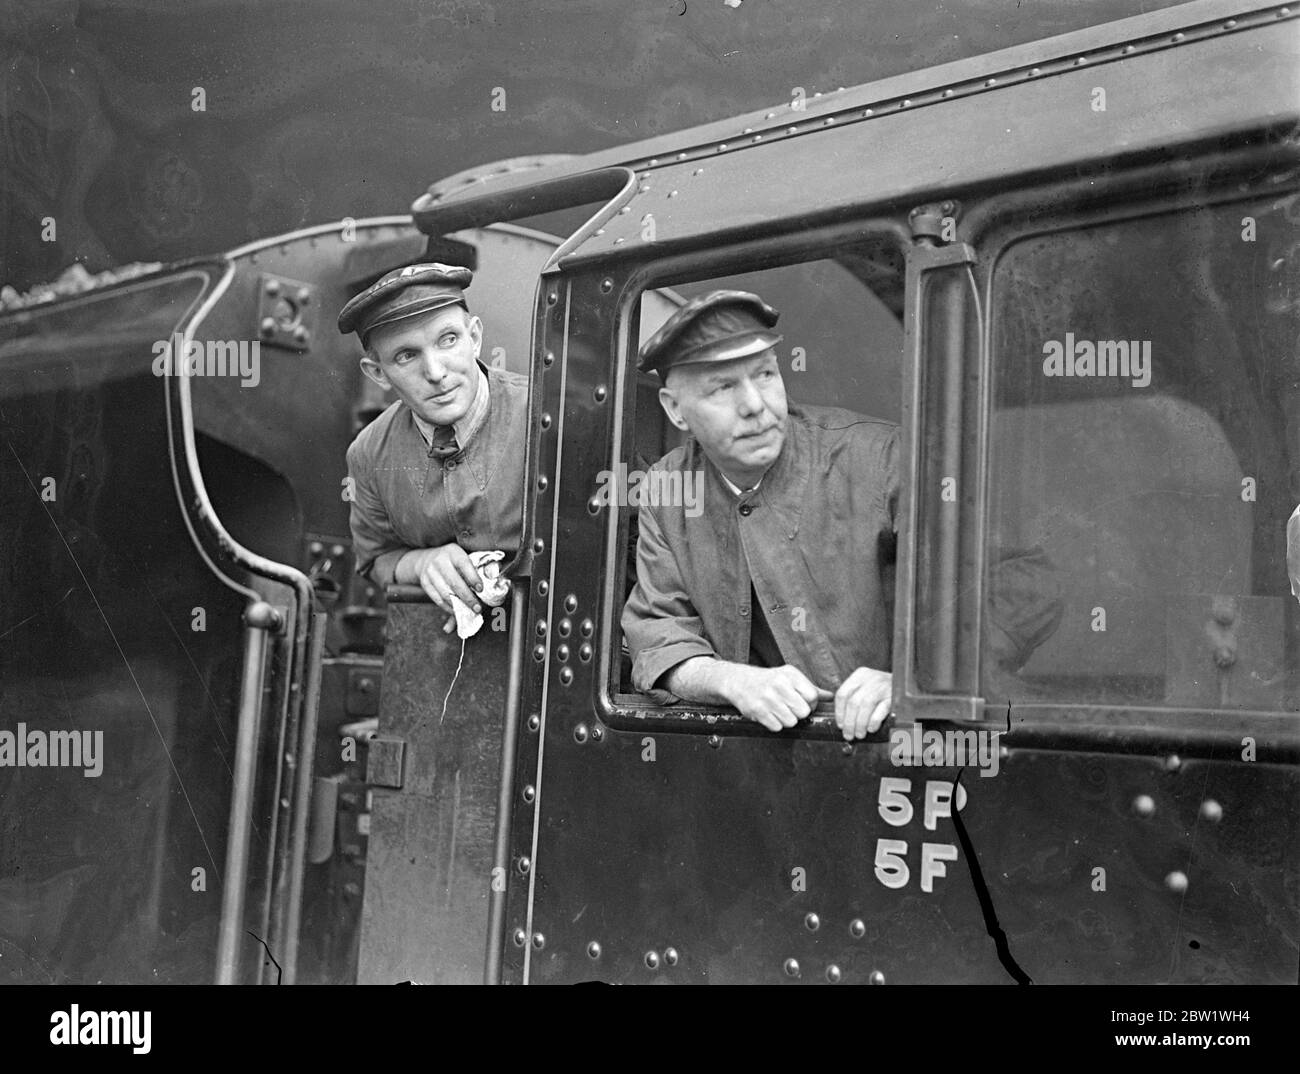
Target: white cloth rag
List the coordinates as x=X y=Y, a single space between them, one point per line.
x=495 y=591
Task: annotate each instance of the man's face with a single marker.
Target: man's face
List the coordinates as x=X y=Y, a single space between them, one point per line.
x=430 y=361
x=735 y=409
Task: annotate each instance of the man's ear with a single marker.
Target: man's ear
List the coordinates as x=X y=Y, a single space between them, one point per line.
x=668 y=400
x=375 y=372
x=476 y=334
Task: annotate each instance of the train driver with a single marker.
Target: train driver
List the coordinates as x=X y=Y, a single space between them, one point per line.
x=439 y=473
x=778 y=593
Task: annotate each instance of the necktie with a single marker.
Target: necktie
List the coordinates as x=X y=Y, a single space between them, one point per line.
x=444 y=444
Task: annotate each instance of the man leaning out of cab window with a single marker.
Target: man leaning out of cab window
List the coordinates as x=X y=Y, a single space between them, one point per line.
x=439 y=474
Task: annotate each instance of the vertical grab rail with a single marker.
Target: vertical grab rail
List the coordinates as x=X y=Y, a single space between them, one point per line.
x=505 y=791
x=259 y=619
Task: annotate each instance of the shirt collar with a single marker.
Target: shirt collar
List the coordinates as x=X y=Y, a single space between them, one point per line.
x=736 y=490
x=470 y=424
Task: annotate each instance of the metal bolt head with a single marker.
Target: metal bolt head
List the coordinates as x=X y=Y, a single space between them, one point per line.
x=570 y=604
x=652 y=960
x=566 y=676
x=539 y=941
x=593 y=950
x=546 y=421
x=268 y=326
x=548 y=358
x=519 y=937
x=303 y=296
x=530 y=792
x=1225 y=656
x=597 y=733
x=541 y=628
x=542 y=483
x=670 y=956
x=272 y=287
x=1176 y=881
x=606 y=285
x=1173 y=763
x=564 y=627
x=857 y=928
x=539 y=546
x=715 y=741
x=580 y=733
x=562 y=653
x=523 y=865
x=543 y=587
x=1144 y=805
x=534 y=722
x=539 y=653
x=812 y=922
x=585 y=652
x=876 y=978
x=791 y=967
x=551 y=298
x=1211 y=810
x=600 y=393
x=833 y=974
x=586 y=627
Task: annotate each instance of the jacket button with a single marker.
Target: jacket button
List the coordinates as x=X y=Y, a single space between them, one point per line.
x=450 y=464
x=744 y=613
x=746 y=509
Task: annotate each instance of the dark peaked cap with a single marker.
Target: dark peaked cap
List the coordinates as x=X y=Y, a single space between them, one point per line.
x=715 y=327
x=403 y=293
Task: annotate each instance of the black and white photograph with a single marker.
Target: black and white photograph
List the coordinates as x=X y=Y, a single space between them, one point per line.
x=743 y=492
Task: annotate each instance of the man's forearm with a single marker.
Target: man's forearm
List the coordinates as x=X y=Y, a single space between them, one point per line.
x=406 y=571
x=704 y=678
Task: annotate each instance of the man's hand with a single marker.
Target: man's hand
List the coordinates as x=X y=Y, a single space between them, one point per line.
x=863 y=701
x=441 y=572
x=775 y=697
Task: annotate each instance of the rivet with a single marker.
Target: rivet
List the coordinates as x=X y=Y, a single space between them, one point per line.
x=715 y=741
x=681 y=156
x=566 y=676
x=1223 y=615
x=1080 y=61
x=1179 y=36
x=534 y=722
x=600 y=231
x=770 y=115
x=529 y=793
x=548 y=359
x=539 y=653
x=907 y=103
x=597 y=733
x=562 y=653
x=847 y=749
x=869 y=111
x=991 y=82
x=519 y=937
x=833 y=973
x=600 y=392
x=876 y=978
x=300 y=334
x=812 y=922
x=539 y=941
x=543 y=587
x=947 y=93
x=625 y=210
x=584 y=653
x=757 y=138
x=570 y=604
x=336 y=550
x=606 y=285
x=564 y=628
x=619 y=241
x=791 y=130
x=829 y=120
x=1173 y=763
x=670 y=956
x=586 y=628
x=546 y=421
x=523 y=865
x=272 y=287
x=542 y=483
x=672 y=193
x=303 y=296
x=541 y=628
x=1176 y=881
x=593 y=950
x=268 y=326
x=698 y=171
x=552 y=298
x=1144 y=805
x=818 y=94
x=594 y=505
x=722 y=148
x=1034 y=72
x=316 y=548
x=644 y=188
x=580 y=733
x=654 y=161
x=857 y=928
x=539 y=546
x=1211 y=810
x=791 y=968
x=1224 y=656
x=748 y=130
x=1283 y=12
x=652 y=960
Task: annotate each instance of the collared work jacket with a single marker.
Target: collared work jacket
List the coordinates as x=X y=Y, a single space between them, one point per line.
x=405 y=498
x=817 y=539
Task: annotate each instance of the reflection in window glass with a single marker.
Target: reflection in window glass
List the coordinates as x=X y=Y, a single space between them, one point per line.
x=1145 y=401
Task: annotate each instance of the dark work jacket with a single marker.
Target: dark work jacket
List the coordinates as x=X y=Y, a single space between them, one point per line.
x=405 y=498
x=817 y=538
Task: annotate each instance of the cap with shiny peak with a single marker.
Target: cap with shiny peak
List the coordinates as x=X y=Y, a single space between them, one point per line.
x=716 y=327
x=403 y=293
